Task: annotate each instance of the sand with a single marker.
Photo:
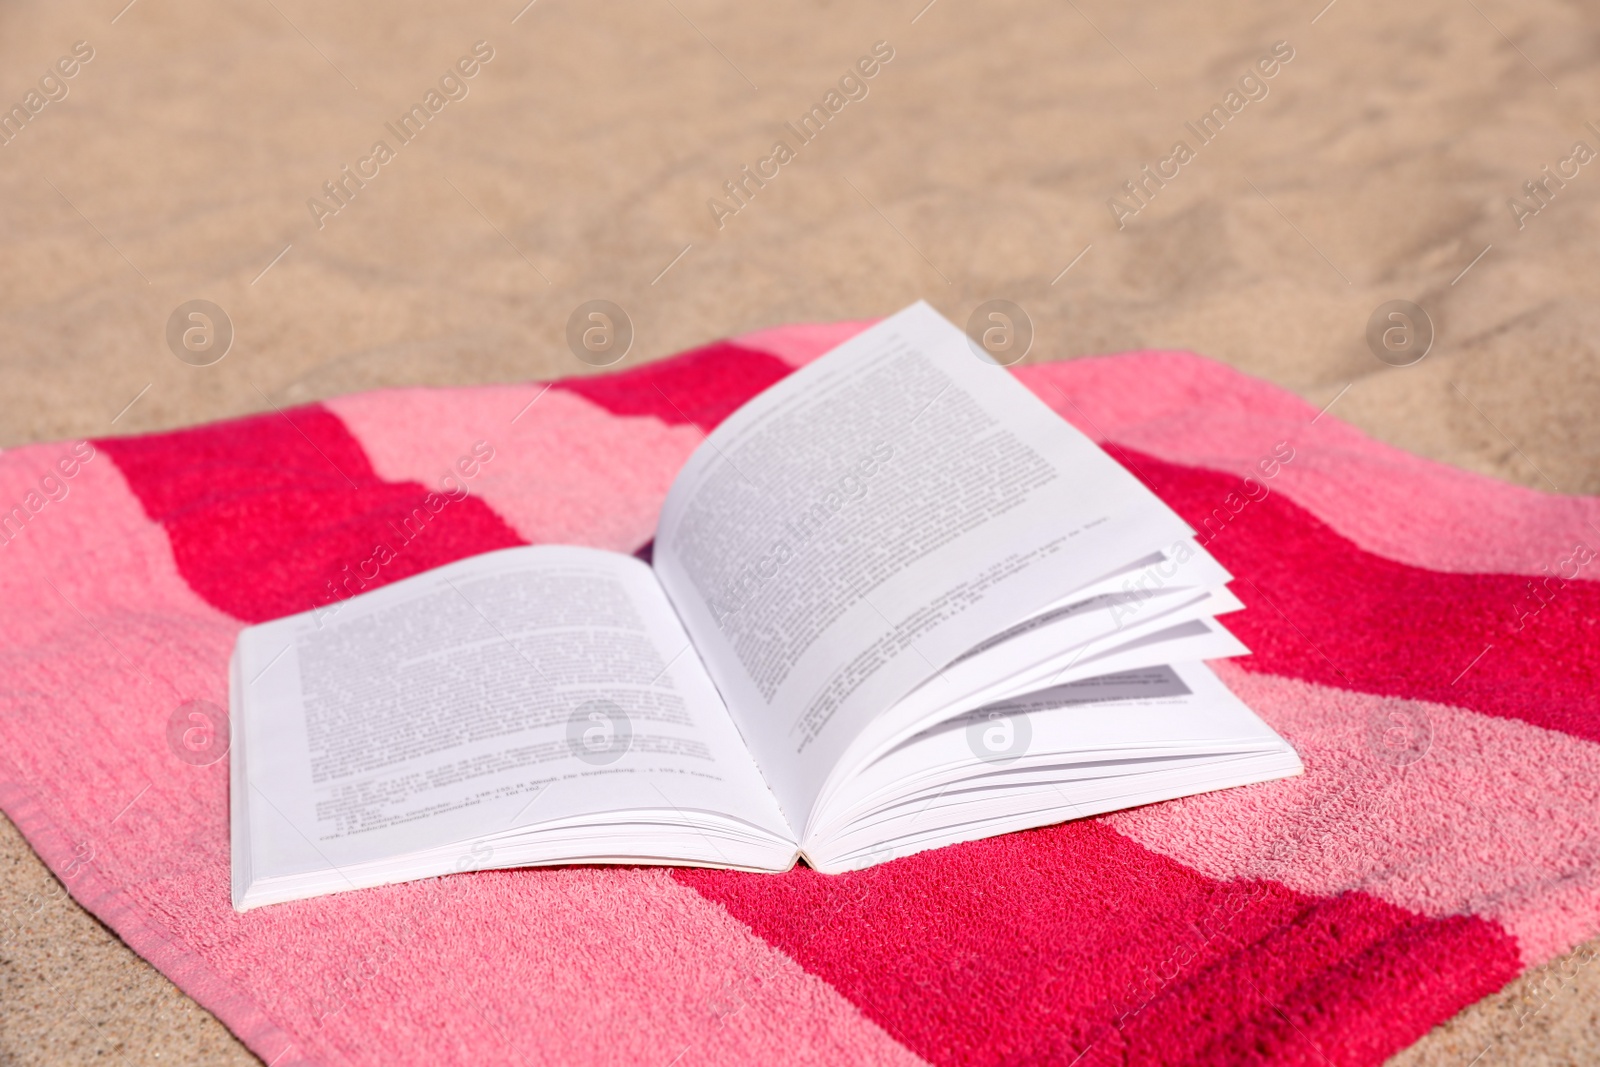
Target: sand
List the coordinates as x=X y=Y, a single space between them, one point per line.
x=1379 y=165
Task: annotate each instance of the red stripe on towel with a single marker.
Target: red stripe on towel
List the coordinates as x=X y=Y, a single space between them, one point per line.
x=1323 y=610
x=267 y=515
x=1360 y=1010
x=1075 y=941
x=703 y=386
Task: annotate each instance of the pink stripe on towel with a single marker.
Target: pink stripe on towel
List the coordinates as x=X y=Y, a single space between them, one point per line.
x=564 y=471
x=1496 y=818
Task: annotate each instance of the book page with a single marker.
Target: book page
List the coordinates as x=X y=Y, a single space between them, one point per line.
x=512 y=689
x=1074 y=750
x=848 y=533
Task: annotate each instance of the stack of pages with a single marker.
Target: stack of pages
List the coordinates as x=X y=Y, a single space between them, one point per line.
x=895 y=603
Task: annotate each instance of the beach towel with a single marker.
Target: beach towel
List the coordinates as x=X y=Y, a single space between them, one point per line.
x=1427 y=638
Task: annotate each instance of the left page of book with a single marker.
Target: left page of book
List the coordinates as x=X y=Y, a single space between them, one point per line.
x=535 y=704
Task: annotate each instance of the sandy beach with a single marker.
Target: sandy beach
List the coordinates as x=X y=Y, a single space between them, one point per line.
x=1251 y=182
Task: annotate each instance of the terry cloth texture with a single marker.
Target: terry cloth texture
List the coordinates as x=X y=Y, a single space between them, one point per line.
x=1428 y=639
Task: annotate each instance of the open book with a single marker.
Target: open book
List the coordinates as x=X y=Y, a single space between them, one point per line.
x=895 y=603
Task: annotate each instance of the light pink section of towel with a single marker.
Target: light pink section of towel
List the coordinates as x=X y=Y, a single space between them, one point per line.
x=1510 y=807
x=565 y=471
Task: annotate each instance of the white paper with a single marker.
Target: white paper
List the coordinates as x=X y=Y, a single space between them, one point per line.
x=523 y=687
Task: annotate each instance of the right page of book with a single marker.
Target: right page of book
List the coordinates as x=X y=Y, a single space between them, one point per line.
x=858 y=526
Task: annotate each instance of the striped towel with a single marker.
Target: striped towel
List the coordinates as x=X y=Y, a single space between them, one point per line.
x=1427 y=639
